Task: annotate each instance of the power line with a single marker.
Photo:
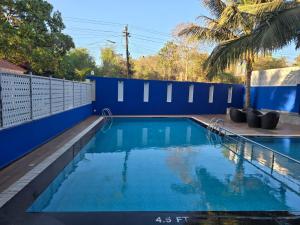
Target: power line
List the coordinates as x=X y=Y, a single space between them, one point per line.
x=101 y=22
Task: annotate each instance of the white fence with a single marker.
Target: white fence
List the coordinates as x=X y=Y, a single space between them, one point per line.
x=25 y=97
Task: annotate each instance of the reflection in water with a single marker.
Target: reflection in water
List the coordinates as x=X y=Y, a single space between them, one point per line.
x=167 y=135
x=161 y=165
x=287 y=146
x=275 y=164
x=119 y=137
x=188 y=134
x=145 y=136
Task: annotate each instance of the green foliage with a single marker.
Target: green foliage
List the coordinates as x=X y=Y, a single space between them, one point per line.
x=31 y=34
x=177 y=61
x=76 y=64
x=226 y=77
x=113 y=65
x=148 y=67
x=269 y=62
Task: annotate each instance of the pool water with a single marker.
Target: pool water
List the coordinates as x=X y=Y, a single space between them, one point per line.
x=287 y=146
x=161 y=164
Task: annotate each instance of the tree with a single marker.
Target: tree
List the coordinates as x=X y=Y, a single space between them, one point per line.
x=243 y=29
x=169 y=57
x=76 y=64
x=269 y=62
x=113 y=65
x=147 y=67
x=31 y=34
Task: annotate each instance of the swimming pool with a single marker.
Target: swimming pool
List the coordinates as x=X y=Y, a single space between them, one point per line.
x=284 y=145
x=161 y=164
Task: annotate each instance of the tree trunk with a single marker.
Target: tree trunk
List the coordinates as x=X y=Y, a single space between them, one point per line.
x=249 y=69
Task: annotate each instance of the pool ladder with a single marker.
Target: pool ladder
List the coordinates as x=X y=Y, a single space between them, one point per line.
x=108 y=119
x=215 y=124
x=106 y=113
x=214 y=128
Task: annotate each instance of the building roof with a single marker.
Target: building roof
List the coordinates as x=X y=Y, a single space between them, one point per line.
x=5 y=65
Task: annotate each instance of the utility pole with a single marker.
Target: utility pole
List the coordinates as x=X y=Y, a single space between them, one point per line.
x=128 y=66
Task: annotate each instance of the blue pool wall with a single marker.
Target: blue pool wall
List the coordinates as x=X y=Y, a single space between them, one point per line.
x=107 y=92
x=20 y=140
x=282 y=98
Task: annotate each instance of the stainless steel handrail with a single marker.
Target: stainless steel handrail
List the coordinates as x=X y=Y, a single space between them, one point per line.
x=265 y=147
x=106 y=112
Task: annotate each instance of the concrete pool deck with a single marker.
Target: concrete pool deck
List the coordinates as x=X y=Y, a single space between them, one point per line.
x=283 y=129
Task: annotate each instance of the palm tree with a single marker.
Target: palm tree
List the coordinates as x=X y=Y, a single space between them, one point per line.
x=243 y=29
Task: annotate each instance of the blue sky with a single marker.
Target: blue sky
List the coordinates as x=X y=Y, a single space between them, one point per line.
x=91 y=23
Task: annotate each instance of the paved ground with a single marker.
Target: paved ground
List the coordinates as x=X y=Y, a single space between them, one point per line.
x=283 y=129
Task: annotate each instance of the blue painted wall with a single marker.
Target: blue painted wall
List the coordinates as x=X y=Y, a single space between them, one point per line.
x=283 y=98
x=107 y=91
x=17 y=141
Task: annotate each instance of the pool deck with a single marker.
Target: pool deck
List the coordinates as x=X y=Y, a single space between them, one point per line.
x=283 y=129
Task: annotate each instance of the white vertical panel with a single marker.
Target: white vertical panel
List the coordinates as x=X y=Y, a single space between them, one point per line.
x=15 y=93
x=68 y=94
x=77 y=94
x=146 y=92
x=211 y=94
x=57 y=95
x=40 y=91
x=229 y=99
x=191 y=93
x=120 y=91
x=169 y=93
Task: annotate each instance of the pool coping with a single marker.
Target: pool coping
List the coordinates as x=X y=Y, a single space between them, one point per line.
x=17 y=186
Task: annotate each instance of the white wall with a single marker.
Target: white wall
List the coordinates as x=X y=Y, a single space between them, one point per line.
x=289 y=76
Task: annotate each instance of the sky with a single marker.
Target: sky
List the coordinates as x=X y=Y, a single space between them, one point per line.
x=94 y=24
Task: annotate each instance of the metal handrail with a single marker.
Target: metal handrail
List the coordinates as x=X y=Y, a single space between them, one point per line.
x=211 y=122
x=106 y=112
x=256 y=143
x=108 y=119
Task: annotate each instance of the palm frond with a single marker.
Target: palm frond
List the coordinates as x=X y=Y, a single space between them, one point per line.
x=279 y=30
x=206 y=34
x=298 y=41
x=216 y=7
x=209 y=22
x=261 y=8
x=234 y=19
x=228 y=53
